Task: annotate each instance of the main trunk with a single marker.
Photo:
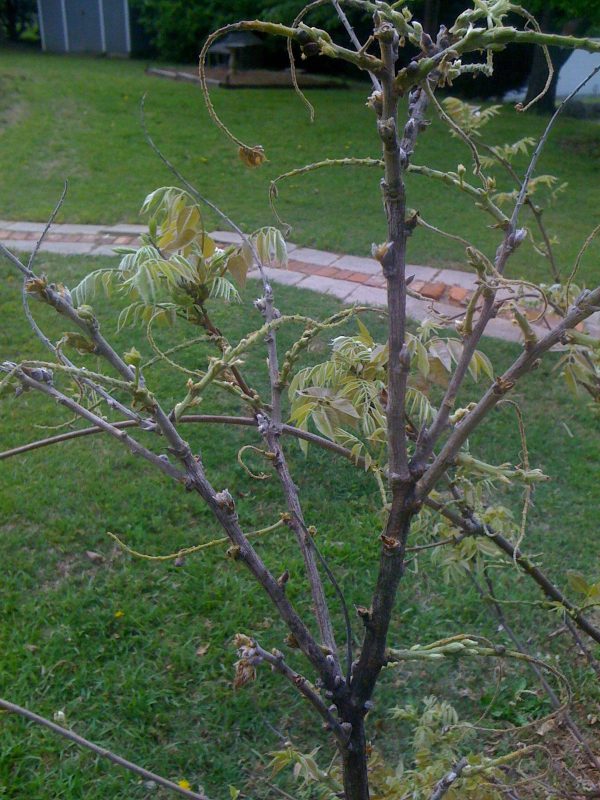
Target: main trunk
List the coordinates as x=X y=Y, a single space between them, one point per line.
x=354 y=763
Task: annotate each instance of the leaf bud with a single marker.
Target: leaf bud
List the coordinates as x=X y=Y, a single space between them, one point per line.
x=346 y=729
x=132 y=357
x=86 y=313
x=454 y=647
x=283 y=578
x=375 y=102
x=379 y=251
x=224 y=500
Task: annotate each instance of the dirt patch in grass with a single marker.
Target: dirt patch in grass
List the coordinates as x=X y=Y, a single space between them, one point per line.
x=62 y=571
x=12 y=107
x=583 y=145
x=250 y=78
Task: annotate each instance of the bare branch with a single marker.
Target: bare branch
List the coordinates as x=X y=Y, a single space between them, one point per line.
x=133 y=445
x=396 y=154
x=278 y=664
x=100 y=751
x=49 y=224
x=468 y=522
x=445 y=784
x=540 y=146
x=288 y=430
x=354 y=39
x=510 y=242
x=585 y=305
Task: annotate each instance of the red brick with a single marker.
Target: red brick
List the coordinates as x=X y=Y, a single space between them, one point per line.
x=343 y=274
x=4 y=234
x=359 y=277
x=125 y=239
x=416 y=286
x=434 y=291
x=302 y=266
x=57 y=237
x=457 y=294
x=326 y=272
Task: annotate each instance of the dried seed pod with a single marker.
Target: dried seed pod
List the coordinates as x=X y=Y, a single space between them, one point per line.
x=252 y=156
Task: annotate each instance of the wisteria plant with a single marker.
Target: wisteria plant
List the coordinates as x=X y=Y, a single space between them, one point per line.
x=390 y=408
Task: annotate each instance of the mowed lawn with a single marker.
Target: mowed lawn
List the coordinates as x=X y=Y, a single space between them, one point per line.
x=138 y=654
x=78 y=119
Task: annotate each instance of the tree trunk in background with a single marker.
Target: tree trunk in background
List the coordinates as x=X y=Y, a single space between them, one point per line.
x=9 y=20
x=539 y=69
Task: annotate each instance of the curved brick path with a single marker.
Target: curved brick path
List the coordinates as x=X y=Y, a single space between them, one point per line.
x=350 y=278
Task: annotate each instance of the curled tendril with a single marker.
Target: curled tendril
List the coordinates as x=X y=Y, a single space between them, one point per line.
x=259 y=476
x=471 y=645
x=580 y=255
x=462 y=134
x=529 y=487
x=290 y=50
x=195 y=548
x=244 y=149
x=327 y=162
x=163 y=355
x=522 y=12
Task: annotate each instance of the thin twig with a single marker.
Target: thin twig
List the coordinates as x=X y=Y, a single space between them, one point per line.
x=585 y=305
x=49 y=224
x=540 y=146
x=554 y=700
x=338 y=590
x=277 y=662
x=466 y=520
x=354 y=39
x=591 y=658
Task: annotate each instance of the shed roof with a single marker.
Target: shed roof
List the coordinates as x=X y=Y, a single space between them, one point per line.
x=235 y=40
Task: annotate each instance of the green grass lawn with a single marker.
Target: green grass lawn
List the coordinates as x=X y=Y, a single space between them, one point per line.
x=78 y=118
x=138 y=654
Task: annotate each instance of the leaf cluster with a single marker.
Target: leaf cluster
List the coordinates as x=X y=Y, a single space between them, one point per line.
x=345 y=396
x=179 y=267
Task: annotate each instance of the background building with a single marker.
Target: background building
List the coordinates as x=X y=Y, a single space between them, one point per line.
x=85 y=26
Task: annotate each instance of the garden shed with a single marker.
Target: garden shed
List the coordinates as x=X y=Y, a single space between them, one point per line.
x=230 y=47
x=85 y=26
x=577 y=66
